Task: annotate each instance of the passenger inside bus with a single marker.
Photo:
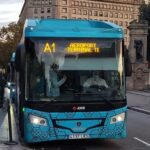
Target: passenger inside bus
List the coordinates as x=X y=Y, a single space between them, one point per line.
x=95 y=80
x=55 y=81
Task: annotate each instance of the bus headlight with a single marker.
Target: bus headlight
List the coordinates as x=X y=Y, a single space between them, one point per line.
x=13 y=90
x=38 y=120
x=117 y=118
x=9 y=84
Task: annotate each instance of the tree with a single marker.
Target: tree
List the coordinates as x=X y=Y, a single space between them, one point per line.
x=9 y=38
x=145 y=13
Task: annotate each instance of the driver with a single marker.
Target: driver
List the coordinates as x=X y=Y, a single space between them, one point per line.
x=95 y=80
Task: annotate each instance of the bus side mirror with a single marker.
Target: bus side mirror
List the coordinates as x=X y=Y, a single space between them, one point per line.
x=19 y=58
x=128 y=65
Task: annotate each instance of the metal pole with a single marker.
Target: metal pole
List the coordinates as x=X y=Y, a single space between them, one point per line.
x=10 y=142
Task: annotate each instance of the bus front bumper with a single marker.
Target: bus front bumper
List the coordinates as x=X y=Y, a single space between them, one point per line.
x=42 y=126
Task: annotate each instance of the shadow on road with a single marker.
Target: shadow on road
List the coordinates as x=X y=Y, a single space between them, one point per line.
x=77 y=145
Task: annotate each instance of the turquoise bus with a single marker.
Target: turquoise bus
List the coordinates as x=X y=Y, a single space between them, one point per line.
x=71 y=80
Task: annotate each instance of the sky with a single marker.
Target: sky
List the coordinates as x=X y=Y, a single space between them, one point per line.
x=10 y=11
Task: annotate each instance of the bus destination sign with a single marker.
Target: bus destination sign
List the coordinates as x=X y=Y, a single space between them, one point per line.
x=73 y=47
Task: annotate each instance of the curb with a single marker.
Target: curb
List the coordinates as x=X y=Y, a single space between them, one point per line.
x=139 y=110
x=142 y=94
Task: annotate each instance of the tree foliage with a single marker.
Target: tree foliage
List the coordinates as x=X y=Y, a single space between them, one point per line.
x=9 y=38
x=145 y=13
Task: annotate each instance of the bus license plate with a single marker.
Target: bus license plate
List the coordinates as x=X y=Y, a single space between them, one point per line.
x=79 y=136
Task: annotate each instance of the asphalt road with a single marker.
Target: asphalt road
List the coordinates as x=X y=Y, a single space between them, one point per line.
x=138 y=128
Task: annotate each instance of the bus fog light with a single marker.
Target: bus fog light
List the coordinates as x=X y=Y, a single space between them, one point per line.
x=38 y=120
x=117 y=118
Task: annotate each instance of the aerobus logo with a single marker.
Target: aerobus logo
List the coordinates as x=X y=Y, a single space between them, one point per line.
x=76 y=108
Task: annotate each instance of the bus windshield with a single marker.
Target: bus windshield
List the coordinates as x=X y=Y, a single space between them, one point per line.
x=74 y=69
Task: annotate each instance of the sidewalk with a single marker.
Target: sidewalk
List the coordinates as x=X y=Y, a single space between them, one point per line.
x=139 y=101
x=4 y=132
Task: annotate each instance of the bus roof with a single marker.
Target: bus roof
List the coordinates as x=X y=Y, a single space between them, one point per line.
x=71 y=28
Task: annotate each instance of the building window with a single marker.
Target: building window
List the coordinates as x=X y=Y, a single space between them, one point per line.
x=48 y=16
x=64 y=17
x=46 y=1
x=105 y=6
x=79 y=12
x=120 y=15
x=125 y=31
x=84 y=12
x=125 y=39
x=126 y=16
x=83 y=4
x=50 y=2
x=121 y=8
x=90 y=12
x=48 y=10
x=73 y=3
x=95 y=13
x=126 y=23
x=64 y=10
x=42 y=10
x=105 y=14
x=76 y=3
x=35 y=10
x=116 y=22
x=110 y=14
x=94 y=5
x=74 y=11
x=64 y=2
x=101 y=6
x=101 y=14
x=131 y=17
x=80 y=4
x=108 y=6
x=42 y=17
x=125 y=8
x=91 y=5
x=116 y=15
x=115 y=7
x=42 y=1
x=118 y=7
x=121 y=23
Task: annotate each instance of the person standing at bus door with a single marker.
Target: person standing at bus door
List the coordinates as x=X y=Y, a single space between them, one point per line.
x=55 y=82
x=95 y=80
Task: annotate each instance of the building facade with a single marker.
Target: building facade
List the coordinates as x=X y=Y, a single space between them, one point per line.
x=147 y=1
x=120 y=12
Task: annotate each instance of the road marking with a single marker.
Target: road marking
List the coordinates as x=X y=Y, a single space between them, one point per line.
x=139 y=110
x=147 y=144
